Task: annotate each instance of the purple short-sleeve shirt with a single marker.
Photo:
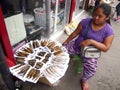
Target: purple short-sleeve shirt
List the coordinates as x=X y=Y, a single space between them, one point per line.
x=99 y=36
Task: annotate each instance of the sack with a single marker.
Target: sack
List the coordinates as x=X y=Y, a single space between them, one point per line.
x=90 y=52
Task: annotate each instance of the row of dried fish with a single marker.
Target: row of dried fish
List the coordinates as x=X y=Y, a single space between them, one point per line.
x=63 y=59
x=33 y=74
x=21 y=69
x=25 y=72
x=54 y=73
x=53 y=46
x=27 y=50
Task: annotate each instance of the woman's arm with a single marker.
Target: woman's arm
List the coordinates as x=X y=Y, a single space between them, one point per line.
x=102 y=46
x=105 y=45
x=74 y=34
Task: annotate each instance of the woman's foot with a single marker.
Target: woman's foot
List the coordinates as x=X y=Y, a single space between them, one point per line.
x=84 y=85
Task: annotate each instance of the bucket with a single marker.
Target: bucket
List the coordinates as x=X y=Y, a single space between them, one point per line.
x=40 y=17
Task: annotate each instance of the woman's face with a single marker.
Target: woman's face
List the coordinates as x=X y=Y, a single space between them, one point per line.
x=99 y=18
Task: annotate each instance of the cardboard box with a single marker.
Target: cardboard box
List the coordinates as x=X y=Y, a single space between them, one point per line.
x=45 y=81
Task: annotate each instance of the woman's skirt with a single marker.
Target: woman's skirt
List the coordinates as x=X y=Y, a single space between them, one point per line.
x=89 y=64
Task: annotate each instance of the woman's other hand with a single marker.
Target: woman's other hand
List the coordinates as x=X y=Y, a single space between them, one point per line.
x=86 y=43
x=64 y=43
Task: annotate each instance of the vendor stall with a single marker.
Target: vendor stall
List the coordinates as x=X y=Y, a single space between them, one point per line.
x=41 y=60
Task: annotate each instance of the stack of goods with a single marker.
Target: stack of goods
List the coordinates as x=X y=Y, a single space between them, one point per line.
x=69 y=28
x=41 y=58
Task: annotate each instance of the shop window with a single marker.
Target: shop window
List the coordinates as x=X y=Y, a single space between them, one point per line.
x=31 y=16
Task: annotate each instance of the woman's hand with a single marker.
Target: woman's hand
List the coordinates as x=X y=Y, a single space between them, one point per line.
x=74 y=34
x=86 y=43
x=64 y=43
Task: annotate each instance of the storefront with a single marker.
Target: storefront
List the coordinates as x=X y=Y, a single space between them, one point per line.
x=76 y=8
x=20 y=22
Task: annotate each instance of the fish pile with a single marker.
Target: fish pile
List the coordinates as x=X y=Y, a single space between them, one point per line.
x=40 y=58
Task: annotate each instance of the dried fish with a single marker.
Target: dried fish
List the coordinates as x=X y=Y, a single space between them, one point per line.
x=51 y=45
x=44 y=60
x=38 y=57
x=20 y=60
x=56 y=48
x=22 y=54
x=30 y=45
x=33 y=75
x=31 y=62
x=36 y=44
x=58 y=52
x=17 y=66
x=44 y=43
x=50 y=73
x=55 y=72
x=37 y=74
x=41 y=53
x=28 y=49
x=30 y=73
x=24 y=69
x=38 y=65
x=48 y=55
